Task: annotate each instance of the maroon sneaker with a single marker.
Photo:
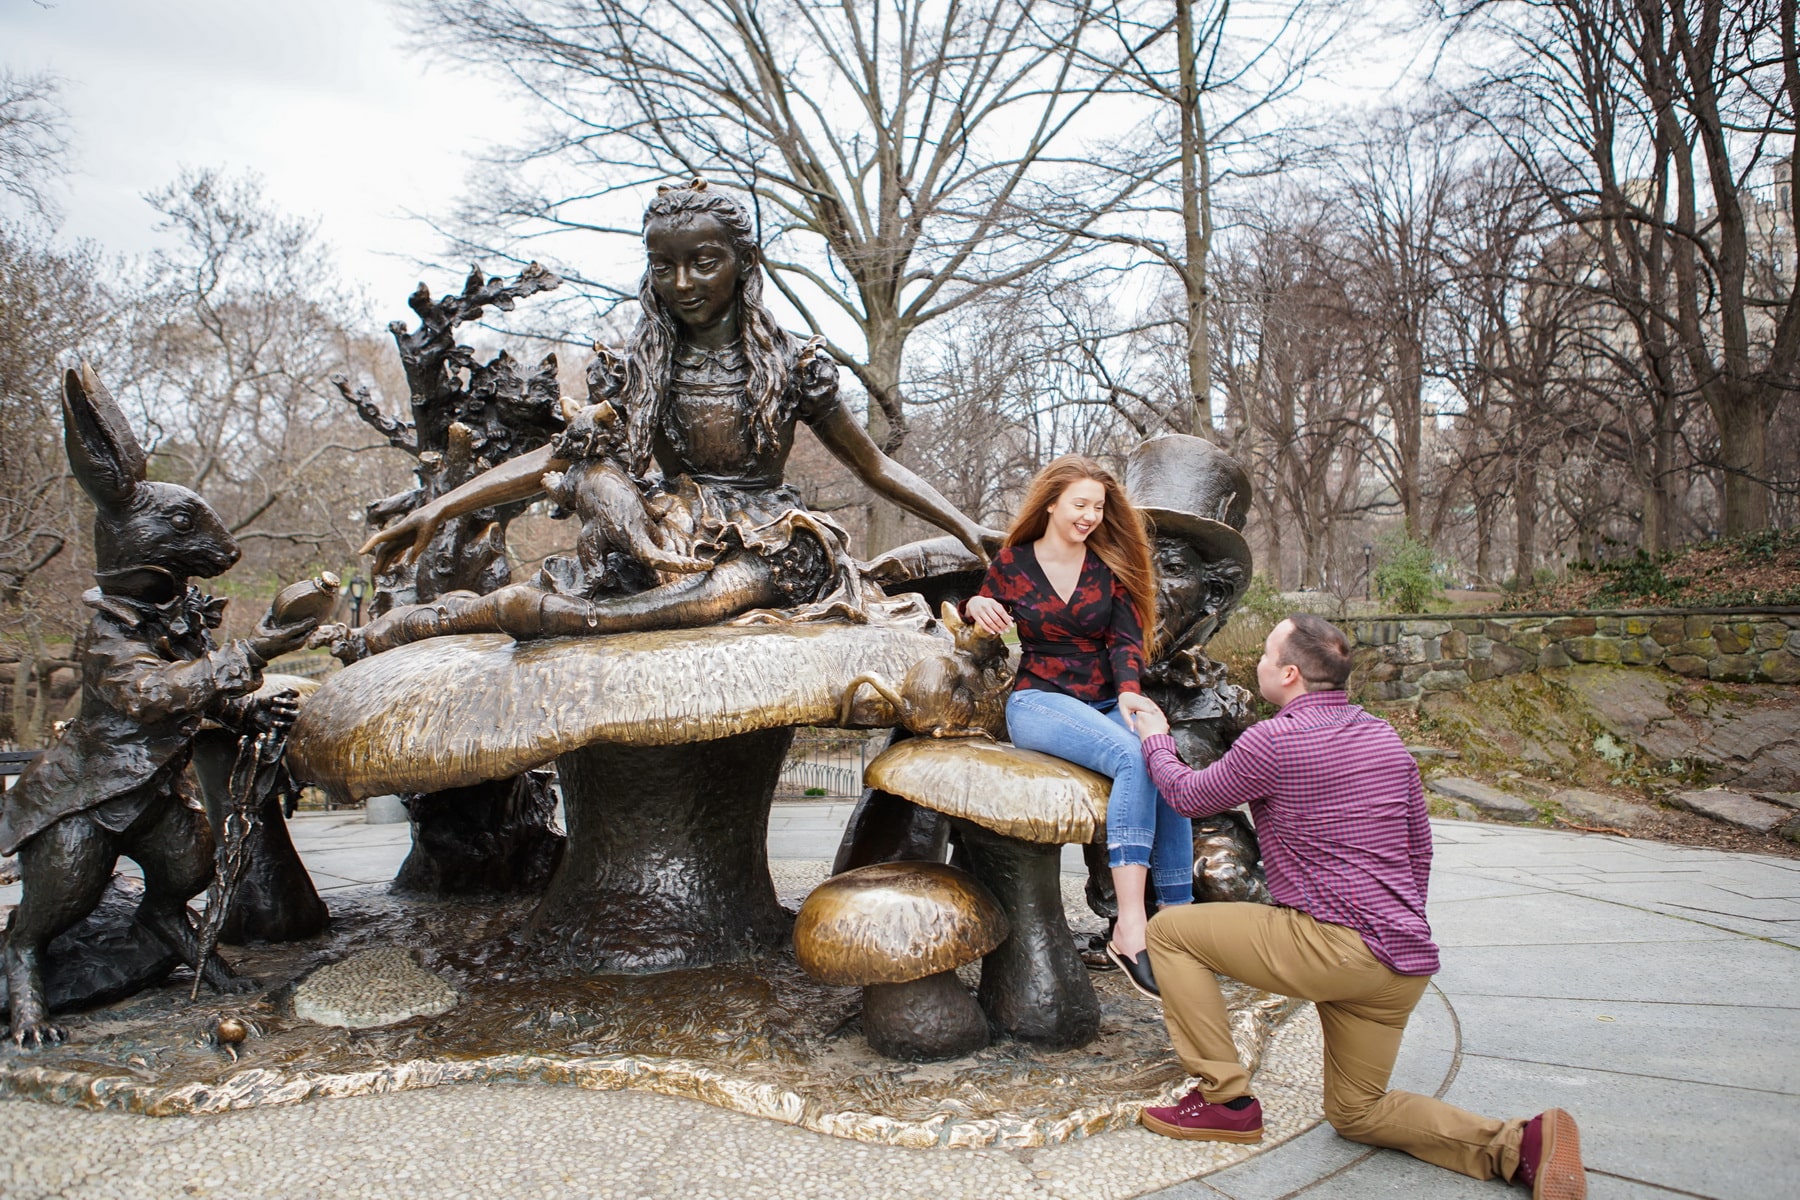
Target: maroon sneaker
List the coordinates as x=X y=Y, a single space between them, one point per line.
x=1550 y=1158
x=1191 y=1117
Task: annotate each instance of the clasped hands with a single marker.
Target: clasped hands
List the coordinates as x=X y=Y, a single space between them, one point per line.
x=1142 y=714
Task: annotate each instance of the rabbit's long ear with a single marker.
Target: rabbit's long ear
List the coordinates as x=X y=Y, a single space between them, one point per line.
x=106 y=457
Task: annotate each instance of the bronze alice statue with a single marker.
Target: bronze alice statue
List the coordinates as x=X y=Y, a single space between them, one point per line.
x=676 y=466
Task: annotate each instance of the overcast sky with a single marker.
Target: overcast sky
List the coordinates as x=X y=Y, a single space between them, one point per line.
x=321 y=98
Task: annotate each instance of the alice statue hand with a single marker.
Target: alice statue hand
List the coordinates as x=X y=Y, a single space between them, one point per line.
x=405 y=538
x=664 y=550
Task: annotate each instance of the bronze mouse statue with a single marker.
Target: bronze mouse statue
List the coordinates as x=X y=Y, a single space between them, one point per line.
x=948 y=695
x=116 y=782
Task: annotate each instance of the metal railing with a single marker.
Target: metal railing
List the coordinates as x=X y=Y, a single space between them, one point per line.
x=811 y=774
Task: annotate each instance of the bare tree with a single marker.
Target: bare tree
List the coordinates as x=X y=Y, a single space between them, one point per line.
x=1220 y=76
x=1301 y=408
x=1649 y=123
x=906 y=158
x=51 y=303
x=34 y=140
x=240 y=330
x=1396 y=192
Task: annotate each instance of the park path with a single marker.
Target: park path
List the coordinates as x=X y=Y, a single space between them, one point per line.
x=1650 y=989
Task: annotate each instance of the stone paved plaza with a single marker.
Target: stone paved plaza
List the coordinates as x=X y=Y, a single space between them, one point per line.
x=1650 y=989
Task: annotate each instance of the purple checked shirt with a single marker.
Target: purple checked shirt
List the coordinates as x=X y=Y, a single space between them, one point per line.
x=1340 y=815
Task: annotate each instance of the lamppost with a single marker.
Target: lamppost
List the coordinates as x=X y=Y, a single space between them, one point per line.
x=1368 y=571
x=357 y=587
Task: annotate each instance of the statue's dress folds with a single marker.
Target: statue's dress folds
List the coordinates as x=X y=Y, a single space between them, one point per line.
x=721 y=494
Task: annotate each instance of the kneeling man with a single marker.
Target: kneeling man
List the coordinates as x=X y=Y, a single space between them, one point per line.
x=1340 y=815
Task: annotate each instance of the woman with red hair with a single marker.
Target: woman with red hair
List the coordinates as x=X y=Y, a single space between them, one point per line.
x=1075 y=577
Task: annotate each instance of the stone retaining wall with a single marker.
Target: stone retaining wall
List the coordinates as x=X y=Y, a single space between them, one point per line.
x=1400 y=658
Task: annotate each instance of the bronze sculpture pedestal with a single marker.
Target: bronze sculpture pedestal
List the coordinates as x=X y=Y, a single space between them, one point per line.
x=666 y=863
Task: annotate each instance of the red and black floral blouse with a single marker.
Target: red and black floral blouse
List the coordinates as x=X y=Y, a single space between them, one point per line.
x=1091 y=648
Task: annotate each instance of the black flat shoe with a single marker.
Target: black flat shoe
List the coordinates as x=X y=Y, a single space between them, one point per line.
x=1137 y=970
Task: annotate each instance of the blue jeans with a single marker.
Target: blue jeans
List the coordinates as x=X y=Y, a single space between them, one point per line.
x=1141 y=829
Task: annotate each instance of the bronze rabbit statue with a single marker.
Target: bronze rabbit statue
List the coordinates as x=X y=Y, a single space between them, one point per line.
x=116 y=781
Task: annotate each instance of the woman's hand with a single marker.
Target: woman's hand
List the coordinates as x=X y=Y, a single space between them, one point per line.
x=405 y=538
x=990 y=614
x=1141 y=713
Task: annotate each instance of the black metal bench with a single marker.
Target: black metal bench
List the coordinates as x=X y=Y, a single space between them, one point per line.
x=14 y=762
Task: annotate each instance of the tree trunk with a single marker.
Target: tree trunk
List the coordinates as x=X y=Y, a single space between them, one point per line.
x=666 y=865
x=1484 y=542
x=1196 y=221
x=1743 y=420
x=1272 y=557
x=884 y=530
x=1525 y=519
x=1408 y=411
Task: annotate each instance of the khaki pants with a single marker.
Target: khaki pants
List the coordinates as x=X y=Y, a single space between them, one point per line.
x=1363 y=1007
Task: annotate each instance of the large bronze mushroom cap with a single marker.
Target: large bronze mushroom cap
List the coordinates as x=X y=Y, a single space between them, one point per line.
x=894 y=923
x=449 y=712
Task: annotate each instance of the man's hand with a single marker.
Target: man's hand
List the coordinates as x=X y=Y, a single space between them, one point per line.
x=1141 y=713
x=990 y=614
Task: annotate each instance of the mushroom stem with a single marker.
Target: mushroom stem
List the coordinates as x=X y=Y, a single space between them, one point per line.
x=667 y=862
x=1033 y=985
x=888 y=828
x=925 y=1019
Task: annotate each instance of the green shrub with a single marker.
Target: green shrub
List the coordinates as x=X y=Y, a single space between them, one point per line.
x=1406 y=574
x=1263 y=602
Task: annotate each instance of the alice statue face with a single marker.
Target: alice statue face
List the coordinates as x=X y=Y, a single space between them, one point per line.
x=695 y=271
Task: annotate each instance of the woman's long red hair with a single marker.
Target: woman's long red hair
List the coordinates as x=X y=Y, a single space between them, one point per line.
x=1119 y=539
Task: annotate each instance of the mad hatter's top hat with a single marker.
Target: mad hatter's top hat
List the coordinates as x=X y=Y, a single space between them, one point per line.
x=1190 y=488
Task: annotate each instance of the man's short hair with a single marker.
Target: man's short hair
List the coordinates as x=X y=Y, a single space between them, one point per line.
x=1320 y=650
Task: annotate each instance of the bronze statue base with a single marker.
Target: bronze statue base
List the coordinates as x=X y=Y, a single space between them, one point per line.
x=757 y=1036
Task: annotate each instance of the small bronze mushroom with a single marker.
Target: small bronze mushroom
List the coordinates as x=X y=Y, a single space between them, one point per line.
x=1013 y=810
x=899 y=930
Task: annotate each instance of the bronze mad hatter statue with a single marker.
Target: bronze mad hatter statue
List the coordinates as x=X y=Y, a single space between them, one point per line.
x=116 y=782
x=1197 y=499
